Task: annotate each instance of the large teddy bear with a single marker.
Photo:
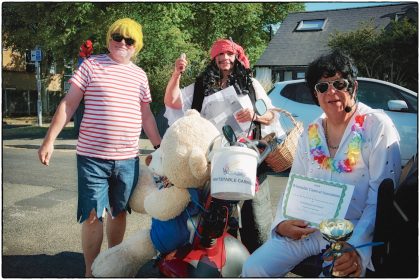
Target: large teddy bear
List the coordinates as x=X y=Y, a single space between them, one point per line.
x=182 y=159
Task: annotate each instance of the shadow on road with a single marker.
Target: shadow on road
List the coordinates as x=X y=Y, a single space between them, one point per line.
x=64 y=264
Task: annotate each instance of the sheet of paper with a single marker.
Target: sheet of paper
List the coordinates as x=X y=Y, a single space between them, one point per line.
x=314 y=200
x=221 y=107
x=245 y=102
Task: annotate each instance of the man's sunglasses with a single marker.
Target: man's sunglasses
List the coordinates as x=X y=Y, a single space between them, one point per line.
x=118 y=38
x=341 y=84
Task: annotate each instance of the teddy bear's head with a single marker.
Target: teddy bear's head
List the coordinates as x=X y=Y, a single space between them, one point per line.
x=182 y=153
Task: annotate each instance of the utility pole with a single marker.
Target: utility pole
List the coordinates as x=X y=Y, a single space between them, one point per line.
x=36 y=56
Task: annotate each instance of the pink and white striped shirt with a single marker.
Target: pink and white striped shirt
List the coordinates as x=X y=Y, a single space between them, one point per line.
x=112 y=120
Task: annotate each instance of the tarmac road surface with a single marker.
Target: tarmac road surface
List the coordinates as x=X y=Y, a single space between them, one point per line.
x=41 y=237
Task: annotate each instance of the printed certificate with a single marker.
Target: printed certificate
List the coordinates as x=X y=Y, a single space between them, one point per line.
x=314 y=200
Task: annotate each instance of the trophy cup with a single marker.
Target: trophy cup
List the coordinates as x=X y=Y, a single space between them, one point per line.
x=335 y=230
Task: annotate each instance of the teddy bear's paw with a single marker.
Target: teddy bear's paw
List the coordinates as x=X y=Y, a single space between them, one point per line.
x=115 y=262
x=167 y=203
x=145 y=185
x=125 y=259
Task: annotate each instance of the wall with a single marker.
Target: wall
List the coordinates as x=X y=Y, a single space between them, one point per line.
x=19 y=92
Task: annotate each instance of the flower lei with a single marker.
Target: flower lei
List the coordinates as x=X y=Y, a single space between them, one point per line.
x=353 y=153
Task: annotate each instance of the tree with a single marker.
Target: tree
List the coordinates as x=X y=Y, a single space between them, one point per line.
x=400 y=45
x=58 y=28
x=387 y=54
x=169 y=30
x=245 y=23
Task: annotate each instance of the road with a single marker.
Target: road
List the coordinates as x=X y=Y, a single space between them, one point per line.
x=41 y=237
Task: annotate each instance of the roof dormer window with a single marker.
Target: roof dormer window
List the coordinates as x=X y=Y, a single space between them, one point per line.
x=311 y=25
x=399 y=16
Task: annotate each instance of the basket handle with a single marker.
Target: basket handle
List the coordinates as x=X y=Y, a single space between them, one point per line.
x=287 y=113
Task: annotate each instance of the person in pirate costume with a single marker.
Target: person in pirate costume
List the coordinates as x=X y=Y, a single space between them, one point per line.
x=229 y=66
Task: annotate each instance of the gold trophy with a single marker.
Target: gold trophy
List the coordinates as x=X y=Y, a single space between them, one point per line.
x=334 y=231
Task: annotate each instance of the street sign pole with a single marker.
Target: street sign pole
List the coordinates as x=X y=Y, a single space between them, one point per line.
x=38 y=87
x=37 y=56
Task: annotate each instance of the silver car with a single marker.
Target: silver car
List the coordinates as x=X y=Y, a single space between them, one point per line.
x=398 y=102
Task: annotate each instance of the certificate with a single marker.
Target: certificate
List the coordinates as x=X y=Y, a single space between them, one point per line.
x=313 y=200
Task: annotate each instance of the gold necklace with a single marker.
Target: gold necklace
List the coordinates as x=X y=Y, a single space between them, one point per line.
x=326 y=137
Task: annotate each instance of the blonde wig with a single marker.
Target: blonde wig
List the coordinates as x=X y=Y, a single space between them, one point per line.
x=129 y=29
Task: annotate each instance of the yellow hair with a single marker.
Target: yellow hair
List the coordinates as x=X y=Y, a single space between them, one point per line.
x=129 y=29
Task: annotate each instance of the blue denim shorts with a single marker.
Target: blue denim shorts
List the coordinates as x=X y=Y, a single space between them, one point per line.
x=105 y=185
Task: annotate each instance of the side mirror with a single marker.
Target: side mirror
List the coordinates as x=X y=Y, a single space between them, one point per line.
x=397 y=105
x=229 y=134
x=260 y=107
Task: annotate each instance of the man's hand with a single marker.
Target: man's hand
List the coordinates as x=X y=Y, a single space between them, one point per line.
x=245 y=115
x=295 y=229
x=45 y=153
x=348 y=264
x=181 y=64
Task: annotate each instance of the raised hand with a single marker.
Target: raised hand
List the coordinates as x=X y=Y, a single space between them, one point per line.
x=181 y=64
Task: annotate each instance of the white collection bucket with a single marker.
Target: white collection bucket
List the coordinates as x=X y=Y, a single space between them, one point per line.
x=233 y=173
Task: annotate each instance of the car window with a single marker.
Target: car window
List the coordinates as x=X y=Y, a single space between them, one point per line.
x=271 y=90
x=298 y=92
x=377 y=95
x=410 y=99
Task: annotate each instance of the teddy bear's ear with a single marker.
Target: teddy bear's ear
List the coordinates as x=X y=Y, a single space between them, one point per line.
x=191 y=112
x=198 y=164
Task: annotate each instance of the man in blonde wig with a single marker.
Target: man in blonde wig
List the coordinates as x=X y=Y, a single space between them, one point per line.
x=117 y=96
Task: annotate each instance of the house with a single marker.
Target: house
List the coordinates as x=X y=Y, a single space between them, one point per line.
x=303 y=36
x=19 y=88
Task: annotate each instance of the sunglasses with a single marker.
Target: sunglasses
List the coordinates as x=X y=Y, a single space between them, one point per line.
x=341 y=84
x=118 y=38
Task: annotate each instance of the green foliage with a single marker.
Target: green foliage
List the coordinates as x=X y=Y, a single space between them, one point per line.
x=170 y=29
x=390 y=54
x=58 y=28
x=400 y=44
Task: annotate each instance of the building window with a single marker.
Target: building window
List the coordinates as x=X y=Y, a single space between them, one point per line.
x=300 y=75
x=399 y=16
x=288 y=75
x=311 y=25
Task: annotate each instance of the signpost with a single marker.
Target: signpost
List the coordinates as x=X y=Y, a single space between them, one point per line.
x=36 y=55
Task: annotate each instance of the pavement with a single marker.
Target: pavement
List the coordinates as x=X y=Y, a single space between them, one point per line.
x=33 y=245
x=145 y=147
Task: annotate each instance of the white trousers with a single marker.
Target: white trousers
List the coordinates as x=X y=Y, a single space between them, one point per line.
x=279 y=255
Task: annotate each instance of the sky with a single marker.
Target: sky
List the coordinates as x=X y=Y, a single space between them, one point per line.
x=318 y=6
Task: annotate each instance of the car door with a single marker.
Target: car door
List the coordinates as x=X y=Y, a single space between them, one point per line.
x=377 y=95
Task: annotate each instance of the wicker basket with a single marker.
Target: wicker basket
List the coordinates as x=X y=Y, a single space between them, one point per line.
x=281 y=158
